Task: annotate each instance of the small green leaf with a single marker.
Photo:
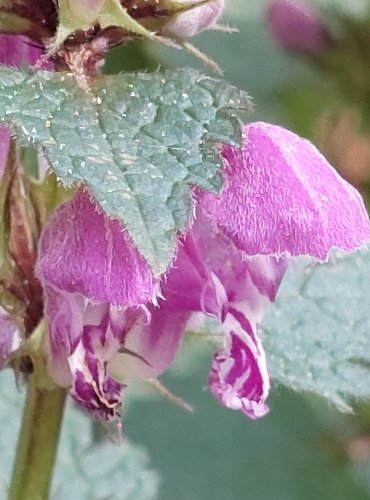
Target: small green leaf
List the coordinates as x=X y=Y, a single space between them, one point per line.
x=138 y=141
x=317 y=335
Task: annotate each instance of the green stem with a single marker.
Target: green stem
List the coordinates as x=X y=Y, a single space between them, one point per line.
x=37 y=443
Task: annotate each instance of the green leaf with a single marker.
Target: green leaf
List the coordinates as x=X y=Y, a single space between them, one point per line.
x=137 y=141
x=84 y=470
x=317 y=335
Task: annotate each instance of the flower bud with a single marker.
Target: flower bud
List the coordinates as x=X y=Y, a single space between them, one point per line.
x=296 y=26
x=195 y=20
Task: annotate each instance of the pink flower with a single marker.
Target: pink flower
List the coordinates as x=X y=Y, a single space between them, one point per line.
x=280 y=199
x=92 y=276
x=195 y=20
x=296 y=26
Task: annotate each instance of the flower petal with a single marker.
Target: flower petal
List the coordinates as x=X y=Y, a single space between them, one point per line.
x=282 y=196
x=151 y=343
x=211 y=276
x=65 y=314
x=239 y=377
x=83 y=251
x=210 y=271
x=93 y=389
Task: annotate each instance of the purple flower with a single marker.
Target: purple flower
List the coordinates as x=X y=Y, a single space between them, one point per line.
x=280 y=199
x=96 y=284
x=296 y=26
x=18 y=50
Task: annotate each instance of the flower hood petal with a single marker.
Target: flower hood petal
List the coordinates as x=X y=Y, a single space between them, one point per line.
x=239 y=378
x=82 y=338
x=84 y=251
x=281 y=196
x=212 y=276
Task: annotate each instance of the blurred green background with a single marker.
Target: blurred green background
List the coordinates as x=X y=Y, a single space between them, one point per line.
x=304 y=449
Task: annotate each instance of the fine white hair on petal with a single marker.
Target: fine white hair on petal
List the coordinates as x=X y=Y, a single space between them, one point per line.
x=282 y=197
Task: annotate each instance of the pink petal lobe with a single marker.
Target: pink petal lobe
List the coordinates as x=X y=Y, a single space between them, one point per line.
x=239 y=377
x=282 y=196
x=18 y=50
x=210 y=271
x=210 y=275
x=93 y=389
x=83 y=251
x=82 y=339
x=151 y=343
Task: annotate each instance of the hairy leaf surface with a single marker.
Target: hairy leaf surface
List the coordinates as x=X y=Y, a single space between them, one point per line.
x=138 y=141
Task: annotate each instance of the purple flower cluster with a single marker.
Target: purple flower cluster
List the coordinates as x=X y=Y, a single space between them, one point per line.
x=110 y=320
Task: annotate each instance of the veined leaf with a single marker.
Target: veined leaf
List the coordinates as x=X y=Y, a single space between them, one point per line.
x=138 y=141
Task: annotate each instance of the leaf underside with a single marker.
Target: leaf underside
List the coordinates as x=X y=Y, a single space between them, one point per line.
x=137 y=141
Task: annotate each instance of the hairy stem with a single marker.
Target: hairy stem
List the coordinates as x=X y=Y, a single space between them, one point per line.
x=37 y=443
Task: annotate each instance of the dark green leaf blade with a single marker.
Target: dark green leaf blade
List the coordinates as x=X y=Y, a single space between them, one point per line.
x=138 y=141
